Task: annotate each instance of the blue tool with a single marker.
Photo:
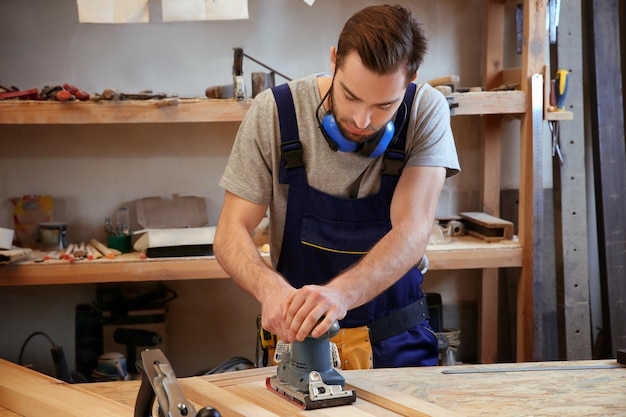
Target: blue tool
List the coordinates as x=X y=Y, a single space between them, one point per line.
x=560 y=88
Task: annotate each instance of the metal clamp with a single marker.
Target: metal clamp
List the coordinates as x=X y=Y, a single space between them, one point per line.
x=159 y=381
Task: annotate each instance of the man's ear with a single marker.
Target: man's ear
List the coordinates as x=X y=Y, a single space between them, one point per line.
x=333 y=58
x=414 y=77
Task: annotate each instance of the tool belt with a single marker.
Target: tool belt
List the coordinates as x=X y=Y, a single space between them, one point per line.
x=354 y=348
x=400 y=320
x=354 y=345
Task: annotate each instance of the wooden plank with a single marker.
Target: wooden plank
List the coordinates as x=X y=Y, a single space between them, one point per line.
x=241 y=392
x=570 y=197
x=607 y=126
x=400 y=403
x=256 y=392
x=233 y=378
x=487 y=227
x=533 y=55
x=228 y=403
x=30 y=393
x=127 y=111
x=490 y=102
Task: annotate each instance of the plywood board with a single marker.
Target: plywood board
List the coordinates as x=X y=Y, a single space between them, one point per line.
x=246 y=398
x=574 y=388
x=546 y=389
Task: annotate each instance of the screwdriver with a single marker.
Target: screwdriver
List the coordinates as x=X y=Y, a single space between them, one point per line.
x=561 y=82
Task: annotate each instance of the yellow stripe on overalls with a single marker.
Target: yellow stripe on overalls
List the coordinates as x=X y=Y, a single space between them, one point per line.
x=346 y=252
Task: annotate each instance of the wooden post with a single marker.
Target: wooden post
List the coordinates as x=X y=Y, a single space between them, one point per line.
x=529 y=326
x=607 y=125
x=570 y=197
x=490 y=187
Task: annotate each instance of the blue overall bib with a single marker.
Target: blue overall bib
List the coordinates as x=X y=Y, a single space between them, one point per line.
x=325 y=235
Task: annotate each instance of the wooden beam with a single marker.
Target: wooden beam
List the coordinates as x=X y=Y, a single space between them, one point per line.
x=570 y=196
x=533 y=59
x=607 y=125
x=490 y=175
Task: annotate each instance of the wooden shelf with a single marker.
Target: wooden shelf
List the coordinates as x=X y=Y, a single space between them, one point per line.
x=462 y=253
x=126 y=268
x=489 y=102
x=467 y=252
x=127 y=111
x=203 y=110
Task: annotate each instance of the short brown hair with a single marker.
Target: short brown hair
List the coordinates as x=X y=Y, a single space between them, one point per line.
x=385 y=37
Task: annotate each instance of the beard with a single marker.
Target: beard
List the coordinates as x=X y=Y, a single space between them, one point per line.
x=360 y=139
x=343 y=121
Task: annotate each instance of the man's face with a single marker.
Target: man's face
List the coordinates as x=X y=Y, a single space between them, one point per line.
x=363 y=102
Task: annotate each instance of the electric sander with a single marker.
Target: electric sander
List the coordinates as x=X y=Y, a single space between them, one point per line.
x=306 y=376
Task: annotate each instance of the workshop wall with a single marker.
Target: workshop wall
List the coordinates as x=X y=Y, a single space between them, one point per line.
x=92 y=170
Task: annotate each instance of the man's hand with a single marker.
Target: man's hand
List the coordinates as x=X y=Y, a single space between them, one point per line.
x=273 y=311
x=304 y=308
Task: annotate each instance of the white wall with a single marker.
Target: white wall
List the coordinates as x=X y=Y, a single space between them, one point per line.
x=91 y=170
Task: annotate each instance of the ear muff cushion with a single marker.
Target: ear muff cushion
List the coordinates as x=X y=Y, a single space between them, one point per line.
x=332 y=130
x=384 y=140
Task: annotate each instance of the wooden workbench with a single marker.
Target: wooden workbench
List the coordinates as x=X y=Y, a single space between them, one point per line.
x=580 y=388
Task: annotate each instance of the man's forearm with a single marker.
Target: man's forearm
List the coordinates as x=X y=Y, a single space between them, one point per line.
x=239 y=257
x=391 y=258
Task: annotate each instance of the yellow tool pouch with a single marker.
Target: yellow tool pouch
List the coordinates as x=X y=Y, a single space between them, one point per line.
x=355 y=349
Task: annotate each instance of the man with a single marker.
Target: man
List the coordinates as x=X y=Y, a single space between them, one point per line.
x=351 y=168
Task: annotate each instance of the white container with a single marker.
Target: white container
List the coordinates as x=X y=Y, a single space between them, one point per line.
x=6 y=238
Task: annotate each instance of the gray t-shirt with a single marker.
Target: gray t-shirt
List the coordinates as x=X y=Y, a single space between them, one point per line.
x=252 y=172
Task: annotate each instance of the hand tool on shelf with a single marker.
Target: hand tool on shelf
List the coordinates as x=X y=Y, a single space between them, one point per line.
x=30 y=94
x=306 y=376
x=239 y=89
x=76 y=92
x=110 y=94
x=55 y=92
x=143 y=95
x=113 y=94
x=158 y=381
x=122 y=222
x=561 y=83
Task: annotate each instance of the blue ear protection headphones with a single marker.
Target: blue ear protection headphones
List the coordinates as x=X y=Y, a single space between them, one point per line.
x=373 y=148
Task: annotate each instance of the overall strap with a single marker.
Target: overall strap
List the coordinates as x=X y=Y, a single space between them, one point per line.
x=291 y=147
x=395 y=155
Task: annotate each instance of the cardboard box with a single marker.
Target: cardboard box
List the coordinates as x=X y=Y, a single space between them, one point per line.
x=174 y=227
